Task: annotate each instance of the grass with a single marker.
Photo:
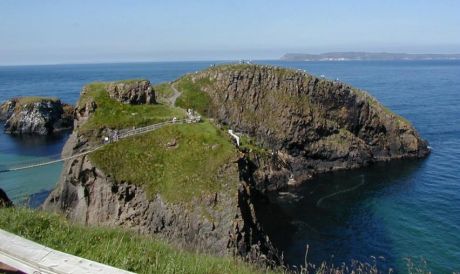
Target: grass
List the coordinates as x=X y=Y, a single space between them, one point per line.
x=146 y=254
x=115 y=247
x=193 y=96
x=249 y=144
x=163 y=90
x=178 y=173
x=113 y=114
x=375 y=104
x=34 y=99
x=129 y=81
x=138 y=253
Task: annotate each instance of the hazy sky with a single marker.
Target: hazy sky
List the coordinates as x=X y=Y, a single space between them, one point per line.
x=65 y=31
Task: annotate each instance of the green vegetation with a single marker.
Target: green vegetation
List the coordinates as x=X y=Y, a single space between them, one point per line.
x=34 y=99
x=374 y=103
x=129 y=81
x=163 y=90
x=113 y=114
x=249 y=144
x=193 y=96
x=341 y=140
x=280 y=71
x=146 y=254
x=233 y=67
x=177 y=161
x=121 y=249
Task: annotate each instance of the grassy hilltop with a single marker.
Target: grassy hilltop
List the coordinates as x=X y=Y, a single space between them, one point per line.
x=188 y=166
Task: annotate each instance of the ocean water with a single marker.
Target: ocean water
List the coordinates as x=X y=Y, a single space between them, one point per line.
x=395 y=210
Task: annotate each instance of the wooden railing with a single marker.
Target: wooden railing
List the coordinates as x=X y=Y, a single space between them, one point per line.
x=30 y=257
x=122 y=135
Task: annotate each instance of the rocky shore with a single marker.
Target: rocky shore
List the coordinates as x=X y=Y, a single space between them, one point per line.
x=311 y=125
x=300 y=126
x=35 y=115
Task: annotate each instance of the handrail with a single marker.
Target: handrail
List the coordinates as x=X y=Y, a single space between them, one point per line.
x=30 y=257
x=129 y=133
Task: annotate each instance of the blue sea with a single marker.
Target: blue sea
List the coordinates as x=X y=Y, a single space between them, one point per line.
x=397 y=210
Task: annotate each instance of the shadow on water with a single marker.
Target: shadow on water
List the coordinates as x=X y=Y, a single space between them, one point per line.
x=29 y=187
x=335 y=215
x=32 y=145
x=37 y=199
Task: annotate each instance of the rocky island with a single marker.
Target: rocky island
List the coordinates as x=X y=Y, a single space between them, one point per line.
x=366 y=56
x=36 y=115
x=189 y=183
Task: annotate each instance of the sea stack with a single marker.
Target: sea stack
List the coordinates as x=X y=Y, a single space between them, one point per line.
x=36 y=116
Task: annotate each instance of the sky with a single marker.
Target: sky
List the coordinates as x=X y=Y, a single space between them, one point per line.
x=94 y=31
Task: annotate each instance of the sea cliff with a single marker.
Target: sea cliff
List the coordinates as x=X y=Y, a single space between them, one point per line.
x=36 y=115
x=310 y=124
x=188 y=183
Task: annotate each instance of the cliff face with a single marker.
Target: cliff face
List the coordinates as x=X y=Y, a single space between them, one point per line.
x=7 y=109
x=41 y=116
x=222 y=222
x=219 y=223
x=312 y=125
x=4 y=200
x=302 y=126
x=132 y=92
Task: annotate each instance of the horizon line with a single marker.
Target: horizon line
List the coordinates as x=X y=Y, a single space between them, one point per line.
x=185 y=60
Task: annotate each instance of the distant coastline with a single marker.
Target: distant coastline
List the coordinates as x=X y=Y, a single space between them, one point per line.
x=366 y=56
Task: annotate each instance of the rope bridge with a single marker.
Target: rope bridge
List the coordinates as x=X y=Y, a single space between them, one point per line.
x=122 y=135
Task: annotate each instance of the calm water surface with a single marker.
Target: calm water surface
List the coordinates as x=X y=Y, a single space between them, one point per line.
x=397 y=210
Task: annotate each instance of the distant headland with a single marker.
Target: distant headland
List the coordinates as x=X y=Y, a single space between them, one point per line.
x=367 y=56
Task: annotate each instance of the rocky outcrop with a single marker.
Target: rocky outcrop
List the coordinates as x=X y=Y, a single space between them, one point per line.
x=41 y=116
x=7 y=109
x=220 y=223
x=132 y=92
x=305 y=126
x=4 y=200
x=312 y=125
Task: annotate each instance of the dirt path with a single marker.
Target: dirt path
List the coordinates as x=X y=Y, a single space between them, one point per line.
x=173 y=98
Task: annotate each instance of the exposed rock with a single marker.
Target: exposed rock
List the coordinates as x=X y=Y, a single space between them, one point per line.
x=312 y=125
x=172 y=143
x=220 y=223
x=41 y=116
x=133 y=92
x=7 y=109
x=4 y=200
x=306 y=125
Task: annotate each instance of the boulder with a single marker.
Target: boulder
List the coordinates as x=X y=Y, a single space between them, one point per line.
x=134 y=92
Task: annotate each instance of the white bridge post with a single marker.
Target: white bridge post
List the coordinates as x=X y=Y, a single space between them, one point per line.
x=237 y=138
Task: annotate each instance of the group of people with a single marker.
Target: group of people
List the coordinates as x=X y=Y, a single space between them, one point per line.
x=113 y=137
